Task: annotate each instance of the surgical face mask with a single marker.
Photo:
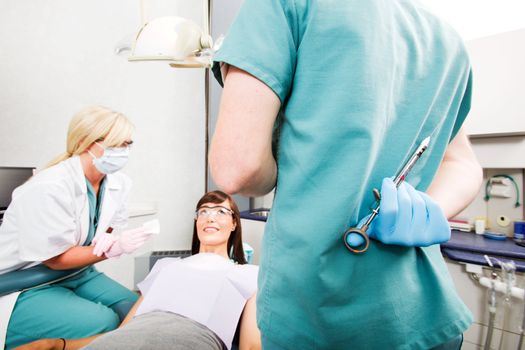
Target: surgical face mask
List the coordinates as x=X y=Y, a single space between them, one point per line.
x=113 y=159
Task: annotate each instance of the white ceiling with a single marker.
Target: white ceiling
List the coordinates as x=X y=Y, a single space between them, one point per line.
x=479 y=18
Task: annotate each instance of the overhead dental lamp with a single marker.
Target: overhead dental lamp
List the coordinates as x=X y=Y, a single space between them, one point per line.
x=178 y=41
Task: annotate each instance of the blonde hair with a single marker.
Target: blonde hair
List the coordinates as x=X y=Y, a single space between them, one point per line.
x=91 y=124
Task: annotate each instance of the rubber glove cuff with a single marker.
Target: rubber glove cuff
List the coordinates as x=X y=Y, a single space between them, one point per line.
x=128 y=242
x=407 y=217
x=102 y=243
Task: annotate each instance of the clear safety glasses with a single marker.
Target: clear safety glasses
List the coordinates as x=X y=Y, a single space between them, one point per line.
x=124 y=145
x=217 y=212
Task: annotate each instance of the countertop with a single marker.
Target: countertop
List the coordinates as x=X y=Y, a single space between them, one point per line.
x=469 y=247
x=466 y=247
x=260 y=214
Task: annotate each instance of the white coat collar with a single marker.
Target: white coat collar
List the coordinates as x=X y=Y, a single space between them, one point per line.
x=111 y=201
x=112 y=183
x=74 y=165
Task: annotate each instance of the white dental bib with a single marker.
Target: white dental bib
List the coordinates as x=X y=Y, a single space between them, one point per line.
x=204 y=287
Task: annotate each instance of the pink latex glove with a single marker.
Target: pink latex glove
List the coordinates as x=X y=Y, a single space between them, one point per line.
x=103 y=242
x=112 y=246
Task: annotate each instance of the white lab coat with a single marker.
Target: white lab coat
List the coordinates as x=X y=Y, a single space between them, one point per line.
x=50 y=214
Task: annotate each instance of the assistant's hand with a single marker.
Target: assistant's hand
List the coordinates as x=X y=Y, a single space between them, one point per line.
x=407 y=217
x=103 y=242
x=112 y=246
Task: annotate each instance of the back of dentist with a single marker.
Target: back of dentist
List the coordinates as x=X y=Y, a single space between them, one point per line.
x=348 y=90
x=62 y=218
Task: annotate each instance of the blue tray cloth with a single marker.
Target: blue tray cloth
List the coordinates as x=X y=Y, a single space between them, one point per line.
x=470 y=248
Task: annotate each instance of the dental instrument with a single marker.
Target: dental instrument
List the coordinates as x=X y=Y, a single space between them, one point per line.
x=522 y=329
x=508 y=268
x=492 y=305
x=400 y=177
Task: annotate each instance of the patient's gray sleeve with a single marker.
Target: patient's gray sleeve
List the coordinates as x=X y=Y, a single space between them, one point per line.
x=159 y=330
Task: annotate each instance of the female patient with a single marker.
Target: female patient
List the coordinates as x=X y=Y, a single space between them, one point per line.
x=193 y=303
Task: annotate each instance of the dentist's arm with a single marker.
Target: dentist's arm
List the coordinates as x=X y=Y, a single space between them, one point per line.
x=241 y=159
x=250 y=336
x=74 y=257
x=458 y=178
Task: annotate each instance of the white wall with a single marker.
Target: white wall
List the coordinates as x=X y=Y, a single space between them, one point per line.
x=478 y=18
x=57 y=56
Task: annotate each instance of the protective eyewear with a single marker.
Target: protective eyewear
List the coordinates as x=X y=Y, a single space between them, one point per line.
x=217 y=212
x=125 y=144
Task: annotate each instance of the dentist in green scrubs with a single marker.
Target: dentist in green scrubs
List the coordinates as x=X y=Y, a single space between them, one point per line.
x=61 y=218
x=326 y=100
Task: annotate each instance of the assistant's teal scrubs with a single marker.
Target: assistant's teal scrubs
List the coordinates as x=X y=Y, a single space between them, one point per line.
x=361 y=84
x=94 y=208
x=80 y=306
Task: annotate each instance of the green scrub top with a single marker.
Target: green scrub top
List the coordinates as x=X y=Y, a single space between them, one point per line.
x=361 y=83
x=95 y=205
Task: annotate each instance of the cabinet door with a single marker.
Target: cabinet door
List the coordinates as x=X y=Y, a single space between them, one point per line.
x=498 y=100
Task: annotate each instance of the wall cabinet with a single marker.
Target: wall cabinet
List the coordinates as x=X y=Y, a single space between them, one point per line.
x=498 y=101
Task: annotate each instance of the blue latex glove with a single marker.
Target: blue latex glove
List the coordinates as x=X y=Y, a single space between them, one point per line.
x=407 y=217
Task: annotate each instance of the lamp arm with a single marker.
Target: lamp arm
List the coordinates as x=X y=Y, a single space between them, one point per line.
x=206 y=17
x=142 y=13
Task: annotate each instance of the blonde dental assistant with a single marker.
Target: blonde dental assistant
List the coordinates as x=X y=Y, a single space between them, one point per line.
x=55 y=219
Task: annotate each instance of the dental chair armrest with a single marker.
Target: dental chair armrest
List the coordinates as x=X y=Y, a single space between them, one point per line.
x=36 y=276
